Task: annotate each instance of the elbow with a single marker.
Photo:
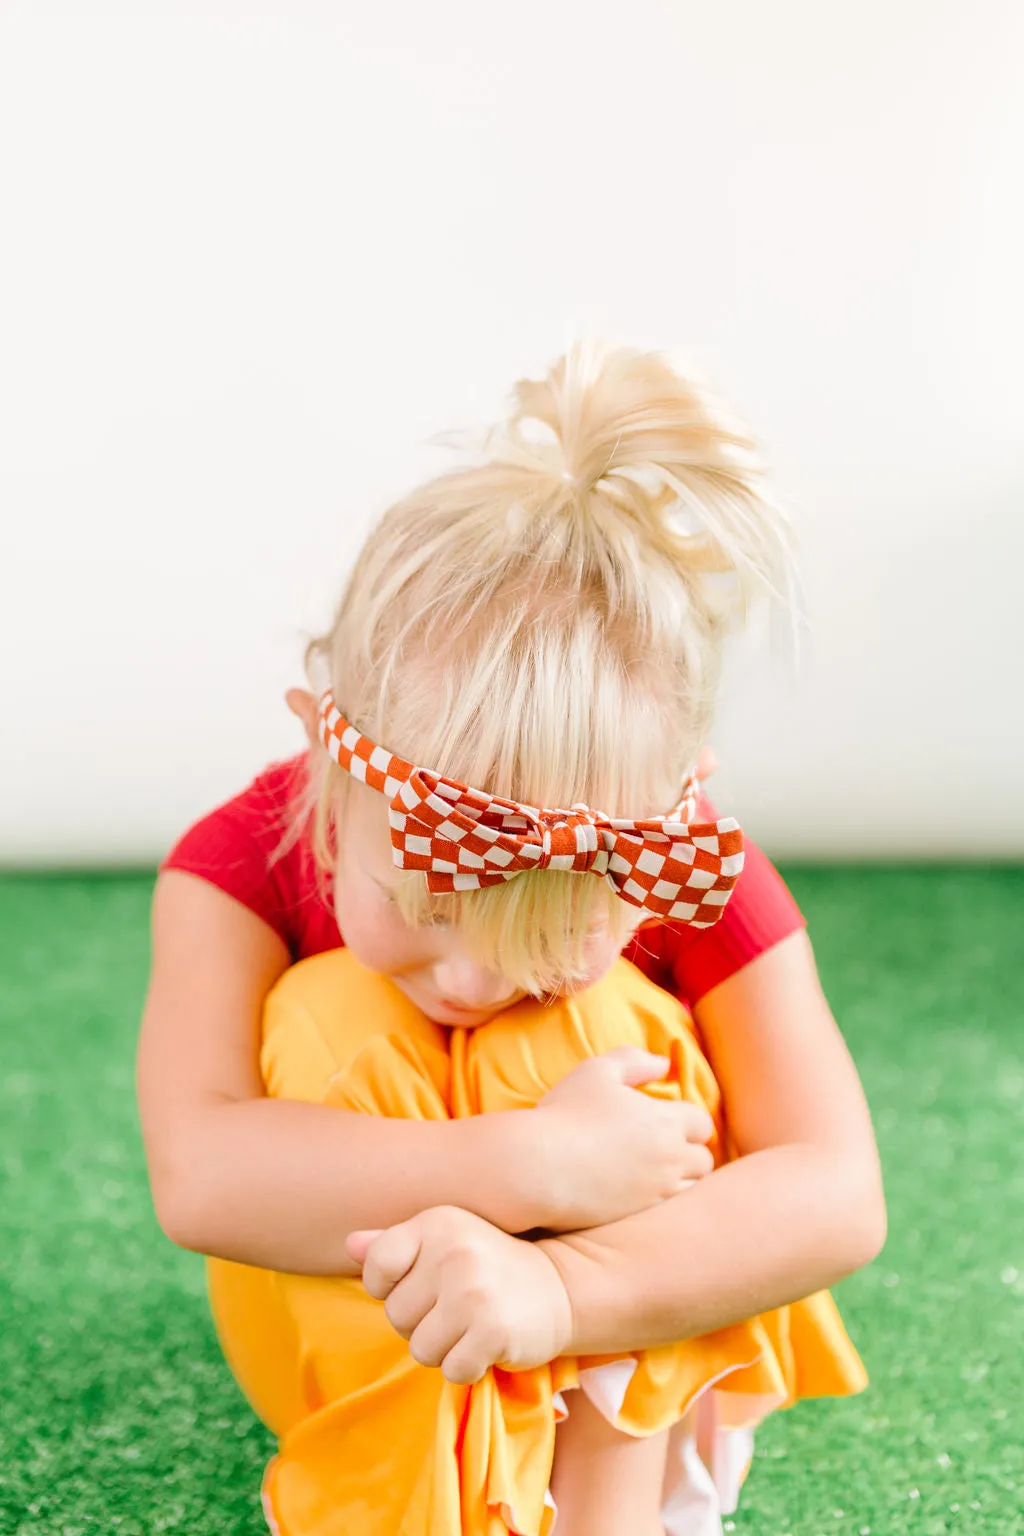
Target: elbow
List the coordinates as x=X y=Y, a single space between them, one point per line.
x=871 y=1230
x=879 y=1224
x=865 y=1224
x=177 y=1215
x=185 y=1193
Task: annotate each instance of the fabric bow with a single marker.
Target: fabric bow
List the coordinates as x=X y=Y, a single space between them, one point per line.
x=463 y=839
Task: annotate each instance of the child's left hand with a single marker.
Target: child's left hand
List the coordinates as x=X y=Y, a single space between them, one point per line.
x=466 y=1295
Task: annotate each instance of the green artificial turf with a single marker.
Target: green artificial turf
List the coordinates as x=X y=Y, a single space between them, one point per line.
x=117 y=1413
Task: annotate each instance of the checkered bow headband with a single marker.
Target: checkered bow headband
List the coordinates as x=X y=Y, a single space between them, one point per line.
x=671 y=866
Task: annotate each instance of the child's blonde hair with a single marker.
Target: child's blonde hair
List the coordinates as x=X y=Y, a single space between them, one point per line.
x=546 y=624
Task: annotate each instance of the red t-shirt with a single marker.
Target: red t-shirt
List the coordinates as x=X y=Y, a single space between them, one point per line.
x=238 y=848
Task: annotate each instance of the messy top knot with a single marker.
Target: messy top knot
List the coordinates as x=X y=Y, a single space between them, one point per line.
x=635 y=438
x=617 y=469
x=545 y=621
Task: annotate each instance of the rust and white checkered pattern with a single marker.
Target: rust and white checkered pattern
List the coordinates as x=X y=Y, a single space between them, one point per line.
x=463 y=839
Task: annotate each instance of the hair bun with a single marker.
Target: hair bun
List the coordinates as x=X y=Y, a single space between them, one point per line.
x=622 y=429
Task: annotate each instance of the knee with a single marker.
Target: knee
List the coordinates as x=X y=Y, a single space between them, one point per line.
x=296 y=1059
x=519 y=1055
x=321 y=1014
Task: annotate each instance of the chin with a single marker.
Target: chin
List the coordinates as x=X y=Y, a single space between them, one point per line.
x=456 y=1018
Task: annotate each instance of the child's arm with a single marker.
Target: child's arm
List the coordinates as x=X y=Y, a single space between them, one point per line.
x=803 y=1207
x=280 y=1183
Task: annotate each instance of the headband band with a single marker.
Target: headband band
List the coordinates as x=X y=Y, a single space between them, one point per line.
x=464 y=839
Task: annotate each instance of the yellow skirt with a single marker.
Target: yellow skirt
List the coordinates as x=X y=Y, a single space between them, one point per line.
x=373 y=1444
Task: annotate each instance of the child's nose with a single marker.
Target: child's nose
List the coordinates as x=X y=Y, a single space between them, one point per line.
x=471 y=986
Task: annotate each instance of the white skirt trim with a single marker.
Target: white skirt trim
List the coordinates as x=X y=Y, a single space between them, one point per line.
x=710 y=1446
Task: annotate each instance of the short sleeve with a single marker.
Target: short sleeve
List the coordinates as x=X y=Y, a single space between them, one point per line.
x=251 y=848
x=761 y=912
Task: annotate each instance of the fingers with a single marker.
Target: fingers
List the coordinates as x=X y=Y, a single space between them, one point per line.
x=389 y=1259
x=469 y=1360
x=411 y=1301
x=699 y=1162
x=690 y=1122
x=634 y=1067
x=357 y=1245
x=698 y=1125
x=439 y=1333
x=464 y=1354
x=435 y=1337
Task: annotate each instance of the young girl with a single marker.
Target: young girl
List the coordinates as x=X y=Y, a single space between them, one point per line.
x=446 y=1107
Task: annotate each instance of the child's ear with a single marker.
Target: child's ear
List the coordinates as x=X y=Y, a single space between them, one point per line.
x=303 y=706
x=707 y=762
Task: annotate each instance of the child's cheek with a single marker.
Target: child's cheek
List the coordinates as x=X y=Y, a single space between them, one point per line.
x=373 y=930
x=599 y=955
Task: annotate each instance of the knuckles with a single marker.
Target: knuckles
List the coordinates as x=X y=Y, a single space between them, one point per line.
x=463 y=1373
x=376 y=1285
x=399 y=1318
x=443 y=1220
x=474 y=1355
x=467 y=1281
x=699 y=1125
x=425 y=1354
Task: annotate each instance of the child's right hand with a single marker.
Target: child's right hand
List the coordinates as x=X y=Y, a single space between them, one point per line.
x=608 y=1151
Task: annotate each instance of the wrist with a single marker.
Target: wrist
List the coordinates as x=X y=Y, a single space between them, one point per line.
x=567 y=1263
x=558 y=1309
x=503 y=1152
x=599 y=1302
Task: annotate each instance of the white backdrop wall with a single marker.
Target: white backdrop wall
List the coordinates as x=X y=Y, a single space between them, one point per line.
x=252 y=255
